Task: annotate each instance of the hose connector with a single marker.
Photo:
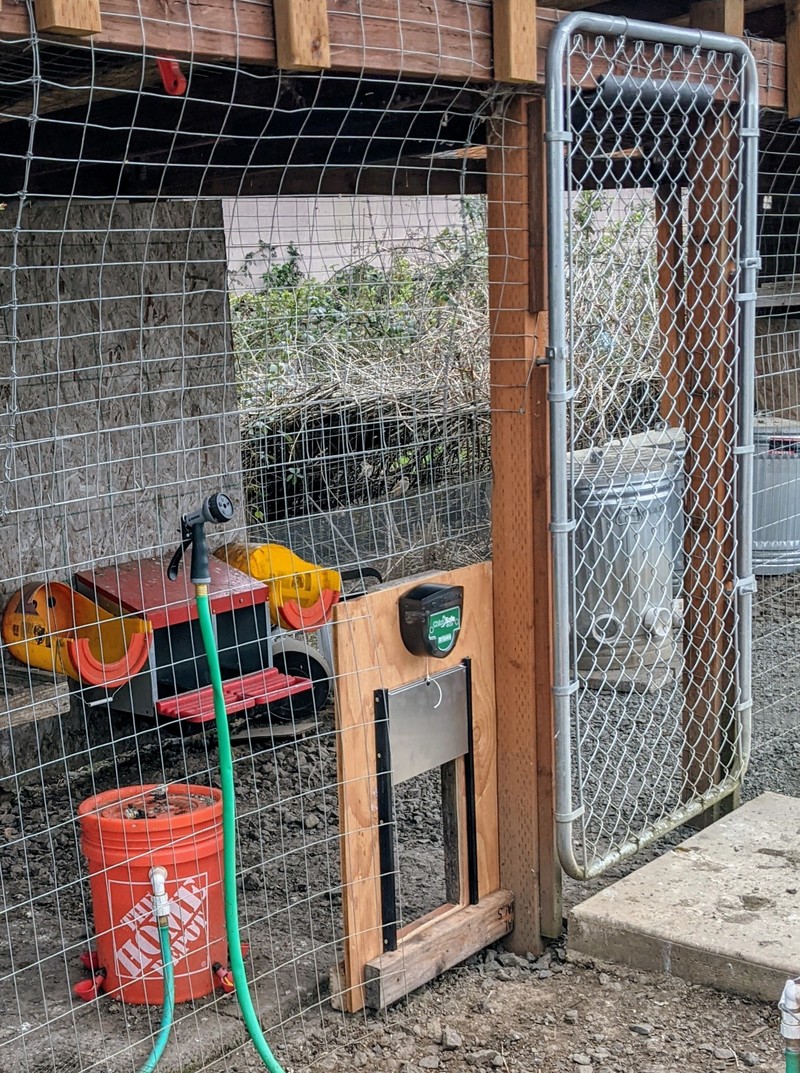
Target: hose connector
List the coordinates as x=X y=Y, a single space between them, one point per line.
x=789 y=1006
x=158 y=882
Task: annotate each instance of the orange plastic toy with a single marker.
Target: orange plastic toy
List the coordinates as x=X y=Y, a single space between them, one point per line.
x=53 y=627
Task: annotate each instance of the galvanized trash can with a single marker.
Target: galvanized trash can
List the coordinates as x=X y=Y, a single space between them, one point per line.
x=628 y=511
x=776 y=497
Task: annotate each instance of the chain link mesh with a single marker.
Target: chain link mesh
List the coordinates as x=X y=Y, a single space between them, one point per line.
x=650 y=439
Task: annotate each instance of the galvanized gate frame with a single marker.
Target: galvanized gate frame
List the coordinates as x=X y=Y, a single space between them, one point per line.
x=569 y=810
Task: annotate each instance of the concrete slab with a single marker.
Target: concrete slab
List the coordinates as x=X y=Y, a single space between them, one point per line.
x=722 y=909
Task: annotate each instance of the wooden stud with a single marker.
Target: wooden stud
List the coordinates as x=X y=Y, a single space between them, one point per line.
x=723 y=16
x=514 y=40
x=520 y=541
x=74 y=18
x=369 y=655
x=437 y=947
x=302 y=35
x=672 y=311
x=793 y=58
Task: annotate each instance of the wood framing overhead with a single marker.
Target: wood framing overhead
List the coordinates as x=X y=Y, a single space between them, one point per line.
x=419 y=39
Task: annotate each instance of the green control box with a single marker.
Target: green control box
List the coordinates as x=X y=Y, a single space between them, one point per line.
x=430 y=619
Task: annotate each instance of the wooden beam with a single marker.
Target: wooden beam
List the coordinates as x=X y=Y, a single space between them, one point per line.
x=723 y=16
x=517 y=336
x=793 y=58
x=436 y=947
x=450 y=39
x=302 y=34
x=73 y=18
x=514 y=38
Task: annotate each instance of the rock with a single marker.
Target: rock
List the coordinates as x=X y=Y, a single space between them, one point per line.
x=642 y=1030
x=581 y=1059
x=749 y=1059
x=508 y=974
x=482 y=1058
x=544 y=974
x=311 y=821
x=604 y=979
x=724 y=1054
x=360 y=1059
x=430 y=1061
x=451 y=1040
x=511 y=961
x=571 y=1017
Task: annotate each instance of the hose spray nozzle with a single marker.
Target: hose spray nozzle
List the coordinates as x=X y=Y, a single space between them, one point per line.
x=216 y=508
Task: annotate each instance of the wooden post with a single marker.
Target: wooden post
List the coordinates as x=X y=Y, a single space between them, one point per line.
x=672 y=311
x=793 y=58
x=74 y=18
x=551 y=923
x=724 y=16
x=514 y=40
x=520 y=513
x=709 y=422
x=302 y=38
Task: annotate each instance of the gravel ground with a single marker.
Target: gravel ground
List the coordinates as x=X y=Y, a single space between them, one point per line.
x=502 y=1012
x=494 y=1013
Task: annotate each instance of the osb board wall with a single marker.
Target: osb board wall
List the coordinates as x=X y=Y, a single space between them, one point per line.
x=117 y=405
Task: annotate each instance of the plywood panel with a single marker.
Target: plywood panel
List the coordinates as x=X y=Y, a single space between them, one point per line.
x=124 y=398
x=369 y=656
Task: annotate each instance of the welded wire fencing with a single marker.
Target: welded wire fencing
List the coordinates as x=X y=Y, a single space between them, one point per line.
x=195 y=297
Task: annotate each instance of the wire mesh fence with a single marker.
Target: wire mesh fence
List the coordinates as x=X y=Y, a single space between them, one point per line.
x=191 y=300
x=652 y=214
x=275 y=285
x=776 y=498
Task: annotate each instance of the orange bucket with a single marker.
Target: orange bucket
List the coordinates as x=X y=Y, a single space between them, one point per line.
x=126 y=832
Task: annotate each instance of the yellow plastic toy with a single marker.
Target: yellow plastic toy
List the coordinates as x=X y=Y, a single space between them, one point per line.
x=53 y=627
x=301 y=594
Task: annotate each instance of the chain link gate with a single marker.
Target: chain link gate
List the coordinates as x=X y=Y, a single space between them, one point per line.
x=652 y=165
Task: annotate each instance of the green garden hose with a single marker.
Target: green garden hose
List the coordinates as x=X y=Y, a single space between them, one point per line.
x=229 y=836
x=168 y=1009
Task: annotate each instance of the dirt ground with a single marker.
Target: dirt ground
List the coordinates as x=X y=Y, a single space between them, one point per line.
x=500 y=1012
